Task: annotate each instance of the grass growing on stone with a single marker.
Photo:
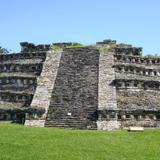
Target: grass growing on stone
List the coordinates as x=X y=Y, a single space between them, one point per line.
x=104 y=50
x=76 y=45
x=24 y=143
x=56 y=47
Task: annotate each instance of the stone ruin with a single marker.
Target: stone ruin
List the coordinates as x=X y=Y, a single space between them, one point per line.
x=105 y=86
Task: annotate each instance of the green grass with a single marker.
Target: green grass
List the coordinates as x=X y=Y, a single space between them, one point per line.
x=24 y=143
x=76 y=45
x=56 y=47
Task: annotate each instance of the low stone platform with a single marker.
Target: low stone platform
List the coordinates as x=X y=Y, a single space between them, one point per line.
x=135 y=129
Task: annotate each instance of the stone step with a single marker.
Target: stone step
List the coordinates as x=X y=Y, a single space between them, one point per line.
x=66 y=120
x=63 y=122
x=78 y=127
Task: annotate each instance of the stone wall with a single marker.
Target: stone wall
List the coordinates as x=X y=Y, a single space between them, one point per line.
x=107 y=93
x=18 y=81
x=138 y=90
x=45 y=85
x=22 y=56
x=32 y=68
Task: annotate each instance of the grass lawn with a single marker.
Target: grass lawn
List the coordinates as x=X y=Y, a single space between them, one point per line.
x=25 y=143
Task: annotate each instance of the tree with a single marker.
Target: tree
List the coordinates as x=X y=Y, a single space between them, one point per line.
x=3 y=50
x=152 y=56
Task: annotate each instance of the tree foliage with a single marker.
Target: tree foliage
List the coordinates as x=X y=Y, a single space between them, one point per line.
x=3 y=50
x=152 y=56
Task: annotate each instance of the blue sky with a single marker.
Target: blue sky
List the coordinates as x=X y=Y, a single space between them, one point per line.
x=135 y=22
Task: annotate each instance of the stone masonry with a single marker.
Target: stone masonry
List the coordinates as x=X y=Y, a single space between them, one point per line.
x=107 y=93
x=75 y=96
x=45 y=85
x=105 y=86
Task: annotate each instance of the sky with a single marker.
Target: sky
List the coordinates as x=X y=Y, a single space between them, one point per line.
x=134 y=22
